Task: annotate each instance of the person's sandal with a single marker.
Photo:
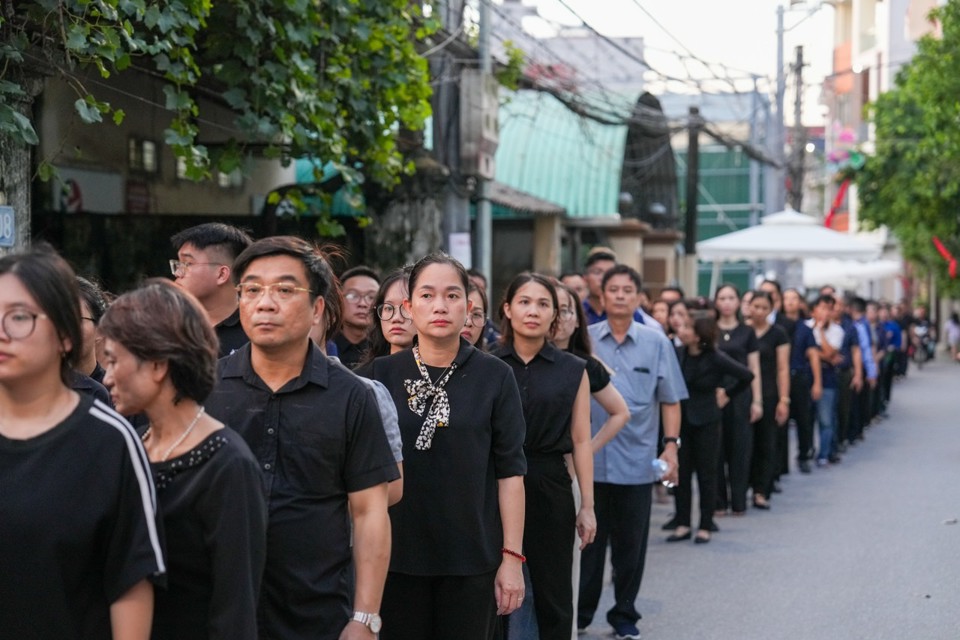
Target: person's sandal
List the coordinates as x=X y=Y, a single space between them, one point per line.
x=702 y=537
x=760 y=502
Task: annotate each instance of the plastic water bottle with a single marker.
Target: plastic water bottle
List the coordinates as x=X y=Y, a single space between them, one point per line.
x=660 y=469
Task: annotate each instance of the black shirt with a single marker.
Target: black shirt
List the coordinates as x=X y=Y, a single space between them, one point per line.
x=215 y=525
x=316 y=439
x=448 y=523
x=738 y=342
x=91 y=387
x=597 y=374
x=78 y=525
x=772 y=338
x=548 y=387
x=230 y=333
x=704 y=374
x=350 y=354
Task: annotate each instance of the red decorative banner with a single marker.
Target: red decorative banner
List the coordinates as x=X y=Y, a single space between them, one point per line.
x=946 y=256
x=837 y=201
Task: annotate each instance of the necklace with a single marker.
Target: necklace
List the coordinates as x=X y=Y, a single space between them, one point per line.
x=183 y=436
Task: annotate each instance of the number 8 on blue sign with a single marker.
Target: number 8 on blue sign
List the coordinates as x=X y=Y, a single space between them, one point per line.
x=7 y=227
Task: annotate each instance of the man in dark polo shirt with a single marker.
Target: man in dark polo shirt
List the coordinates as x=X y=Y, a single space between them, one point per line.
x=318 y=437
x=204 y=267
x=359 y=286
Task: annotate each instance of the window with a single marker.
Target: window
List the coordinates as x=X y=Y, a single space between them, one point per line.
x=142 y=156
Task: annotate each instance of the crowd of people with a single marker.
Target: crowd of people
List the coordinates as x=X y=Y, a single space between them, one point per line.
x=262 y=449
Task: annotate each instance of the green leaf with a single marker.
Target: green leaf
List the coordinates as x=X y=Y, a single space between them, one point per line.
x=88 y=112
x=118 y=116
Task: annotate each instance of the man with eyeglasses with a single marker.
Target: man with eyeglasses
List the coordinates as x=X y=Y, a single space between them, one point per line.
x=204 y=267
x=359 y=286
x=320 y=445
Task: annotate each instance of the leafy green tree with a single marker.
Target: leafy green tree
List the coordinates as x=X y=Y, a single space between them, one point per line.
x=911 y=183
x=330 y=79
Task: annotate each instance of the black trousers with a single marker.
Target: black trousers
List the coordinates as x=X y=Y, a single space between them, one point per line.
x=438 y=607
x=623 y=520
x=801 y=412
x=733 y=465
x=699 y=454
x=845 y=408
x=764 y=463
x=548 y=533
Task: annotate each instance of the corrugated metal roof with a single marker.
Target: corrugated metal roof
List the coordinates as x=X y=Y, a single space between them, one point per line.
x=550 y=152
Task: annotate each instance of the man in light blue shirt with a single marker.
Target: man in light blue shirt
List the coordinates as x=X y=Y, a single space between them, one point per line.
x=647 y=374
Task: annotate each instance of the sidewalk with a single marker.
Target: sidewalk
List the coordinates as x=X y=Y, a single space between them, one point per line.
x=868 y=548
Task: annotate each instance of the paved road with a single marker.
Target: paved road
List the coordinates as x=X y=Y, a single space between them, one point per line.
x=869 y=548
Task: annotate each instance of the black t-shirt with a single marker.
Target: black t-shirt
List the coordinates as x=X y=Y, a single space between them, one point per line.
x=597 y=374
x=448 y=523
x=215 y=525
x=78 y=525
x=350 y=354
x=772 y=338
x=738 y=342
x=89 y=386
x=230 y=333
x=548 y=387
x=316 y=439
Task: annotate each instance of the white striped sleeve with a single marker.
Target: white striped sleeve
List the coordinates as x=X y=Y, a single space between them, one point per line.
x=141 y=469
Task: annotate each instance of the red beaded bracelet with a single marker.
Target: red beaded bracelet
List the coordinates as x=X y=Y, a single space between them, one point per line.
x=518 y=556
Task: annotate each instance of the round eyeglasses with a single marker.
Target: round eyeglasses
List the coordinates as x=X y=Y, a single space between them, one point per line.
x=19 y=323
x=476 y=319
x=387 y=311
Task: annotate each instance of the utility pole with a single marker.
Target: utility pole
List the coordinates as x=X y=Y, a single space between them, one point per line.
x=484 y=241
x=755 y=106
x=776 y=176
x=797 y=159
x=693 y=196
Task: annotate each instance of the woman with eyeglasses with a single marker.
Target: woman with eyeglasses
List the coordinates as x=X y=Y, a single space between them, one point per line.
x=393 y=330
x=80 y=544
x=555 y=392
x=476 y=322
x=161 y=360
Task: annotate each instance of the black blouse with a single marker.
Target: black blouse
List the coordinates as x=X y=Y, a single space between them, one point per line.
x=769 y=341
x=738 y=342
x=597 y=374
x=448 y=522
x=215 y=520
x=548 y=387
x=704 y=374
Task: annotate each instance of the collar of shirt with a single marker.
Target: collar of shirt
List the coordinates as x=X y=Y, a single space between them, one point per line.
x=549 y=352
x=231 y=320
x=603 y=331
x=315 y=369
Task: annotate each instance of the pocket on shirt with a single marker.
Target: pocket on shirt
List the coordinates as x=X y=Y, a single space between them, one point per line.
x=312 y=462
x=645 y=384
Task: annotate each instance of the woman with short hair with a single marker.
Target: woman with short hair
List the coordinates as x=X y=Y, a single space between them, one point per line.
x=161 y=359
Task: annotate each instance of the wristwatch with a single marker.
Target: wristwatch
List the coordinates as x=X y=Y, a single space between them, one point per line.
x=675 y=440
x=371 y=621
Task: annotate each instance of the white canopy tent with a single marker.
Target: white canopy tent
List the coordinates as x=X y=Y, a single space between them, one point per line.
x=787 y=235
x=847 y=274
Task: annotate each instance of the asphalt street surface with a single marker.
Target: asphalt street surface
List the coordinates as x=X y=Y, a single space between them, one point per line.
x=868 y=548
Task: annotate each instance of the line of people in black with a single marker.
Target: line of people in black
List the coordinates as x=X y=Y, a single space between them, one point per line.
x=266 y=490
